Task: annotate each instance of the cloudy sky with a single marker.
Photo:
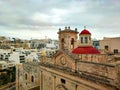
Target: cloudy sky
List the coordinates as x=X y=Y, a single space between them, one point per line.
x=28 y=19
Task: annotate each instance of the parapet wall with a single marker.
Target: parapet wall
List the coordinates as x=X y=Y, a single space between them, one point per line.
x=105 y=73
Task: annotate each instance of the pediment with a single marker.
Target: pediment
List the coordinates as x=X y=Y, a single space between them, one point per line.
x=64 y=60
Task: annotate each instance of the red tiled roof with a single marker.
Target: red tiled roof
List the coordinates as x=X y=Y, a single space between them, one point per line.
x=84 y=32
x=85 y=50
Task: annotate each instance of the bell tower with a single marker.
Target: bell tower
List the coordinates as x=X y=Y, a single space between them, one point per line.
x=67 y=38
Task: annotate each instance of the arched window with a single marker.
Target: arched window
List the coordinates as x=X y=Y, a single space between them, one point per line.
x=62 y=42
x=86 y=39
x=81 y=39
x=32 y=78
x=72 y=41
x=25 y=76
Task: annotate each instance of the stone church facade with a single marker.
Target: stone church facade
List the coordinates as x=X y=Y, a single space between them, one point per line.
x=75 y=66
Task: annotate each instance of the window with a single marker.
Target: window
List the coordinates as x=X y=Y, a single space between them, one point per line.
x=25 y=76
x=22 y=59
x=62 y=42
x=81 y=39
x=106 y=47
x=72 y=41
x=86 y=40
x=63 y=81
x=1 y=57
x=32 y=78
x=115 y=51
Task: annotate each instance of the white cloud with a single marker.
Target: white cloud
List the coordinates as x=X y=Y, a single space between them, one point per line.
x=53 y=17
x=39 y=16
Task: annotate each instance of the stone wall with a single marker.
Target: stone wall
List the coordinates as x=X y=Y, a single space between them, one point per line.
x=105 y=72
x=47 y=60
x=98 y=58
x=59 y=80
x=27 y=76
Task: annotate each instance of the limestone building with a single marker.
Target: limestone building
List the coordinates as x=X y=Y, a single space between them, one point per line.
x=110 y=45
x=77 y=65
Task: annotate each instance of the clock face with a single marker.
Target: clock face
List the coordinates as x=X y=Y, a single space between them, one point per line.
x=63 y=60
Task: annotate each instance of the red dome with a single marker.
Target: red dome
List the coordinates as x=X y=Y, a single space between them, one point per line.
x=85 y=32
x=85 y=50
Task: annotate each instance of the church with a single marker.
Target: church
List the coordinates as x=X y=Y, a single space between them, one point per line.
x=77 y=65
